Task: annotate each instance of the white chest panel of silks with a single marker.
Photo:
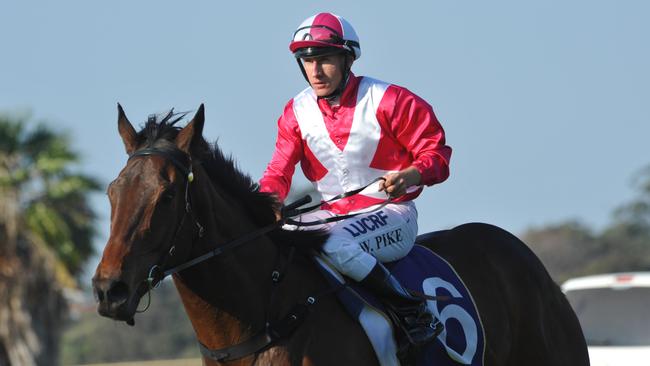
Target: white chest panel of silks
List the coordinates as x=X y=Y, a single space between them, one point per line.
x=349 y=168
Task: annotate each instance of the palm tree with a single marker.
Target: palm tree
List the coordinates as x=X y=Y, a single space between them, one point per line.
x=46 y=231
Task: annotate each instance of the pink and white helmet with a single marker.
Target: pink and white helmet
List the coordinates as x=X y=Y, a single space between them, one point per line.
x=326 y=30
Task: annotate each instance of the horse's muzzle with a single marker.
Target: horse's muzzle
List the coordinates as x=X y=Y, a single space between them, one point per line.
x=112 y=299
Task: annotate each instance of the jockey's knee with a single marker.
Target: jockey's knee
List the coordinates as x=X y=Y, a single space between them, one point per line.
x=349 y=259
x=392 y=246
x=355 y=245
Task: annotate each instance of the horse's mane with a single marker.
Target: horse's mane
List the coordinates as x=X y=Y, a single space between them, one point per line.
x=161 y=131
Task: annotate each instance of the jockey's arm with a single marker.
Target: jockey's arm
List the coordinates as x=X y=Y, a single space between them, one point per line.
x=414 y=124
x=288 y=152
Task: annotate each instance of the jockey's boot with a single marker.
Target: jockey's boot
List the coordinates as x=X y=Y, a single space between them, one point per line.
x=412 y=315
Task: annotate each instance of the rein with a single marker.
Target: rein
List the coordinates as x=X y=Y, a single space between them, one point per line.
x=273 y=331
x=183 y=162
x=289 y=211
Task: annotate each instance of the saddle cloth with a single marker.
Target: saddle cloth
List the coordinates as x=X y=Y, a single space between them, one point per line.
x=461 y=342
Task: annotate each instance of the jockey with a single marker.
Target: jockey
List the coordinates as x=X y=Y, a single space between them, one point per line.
x=347 y=130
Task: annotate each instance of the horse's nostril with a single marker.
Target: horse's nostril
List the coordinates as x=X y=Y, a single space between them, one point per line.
x=100 y=295
x=118 y=292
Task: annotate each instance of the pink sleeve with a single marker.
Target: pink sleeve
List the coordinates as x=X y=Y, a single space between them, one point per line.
x=416 y=127
x=288 y=152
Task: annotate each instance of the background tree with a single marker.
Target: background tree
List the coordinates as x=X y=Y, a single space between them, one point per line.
x=46 y=231
x=563 y=247
x=570 y=249
x=627 y=240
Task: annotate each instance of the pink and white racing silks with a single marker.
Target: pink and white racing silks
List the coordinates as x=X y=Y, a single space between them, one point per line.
x=376 y=128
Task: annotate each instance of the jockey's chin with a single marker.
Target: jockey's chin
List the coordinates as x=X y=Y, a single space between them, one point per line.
x=323 y=89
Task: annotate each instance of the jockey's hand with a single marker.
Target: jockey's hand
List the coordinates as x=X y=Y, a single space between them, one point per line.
x=397 y=183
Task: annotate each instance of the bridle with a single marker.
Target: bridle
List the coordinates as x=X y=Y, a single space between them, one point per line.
x=273 y=330
x=183 y=162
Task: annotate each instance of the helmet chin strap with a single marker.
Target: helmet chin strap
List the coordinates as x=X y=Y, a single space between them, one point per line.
x=302 y=69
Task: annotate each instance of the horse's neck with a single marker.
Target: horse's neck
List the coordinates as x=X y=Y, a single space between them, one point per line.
x=225 y=297
x=215 y=328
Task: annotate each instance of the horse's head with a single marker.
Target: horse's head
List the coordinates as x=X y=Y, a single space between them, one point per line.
x=148 y=210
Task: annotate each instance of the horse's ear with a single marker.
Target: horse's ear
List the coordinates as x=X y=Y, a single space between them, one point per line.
x=193 y=132
x=129 y=137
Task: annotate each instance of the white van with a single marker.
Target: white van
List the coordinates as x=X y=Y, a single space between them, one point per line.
x=614 y=312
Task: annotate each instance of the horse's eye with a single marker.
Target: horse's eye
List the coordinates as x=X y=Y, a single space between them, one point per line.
x=168 y=196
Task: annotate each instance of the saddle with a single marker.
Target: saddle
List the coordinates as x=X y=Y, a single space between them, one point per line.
x=421 y=271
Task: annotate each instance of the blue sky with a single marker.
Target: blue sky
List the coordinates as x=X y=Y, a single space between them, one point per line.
x=545 y=103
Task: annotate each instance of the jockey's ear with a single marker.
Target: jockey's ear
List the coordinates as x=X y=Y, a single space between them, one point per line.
x=127 y=132
x=191 y=133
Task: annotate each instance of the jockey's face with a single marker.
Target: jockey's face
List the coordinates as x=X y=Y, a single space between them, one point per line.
x=325 y=73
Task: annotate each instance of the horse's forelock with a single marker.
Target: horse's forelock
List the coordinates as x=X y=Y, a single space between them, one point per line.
x=160 y=128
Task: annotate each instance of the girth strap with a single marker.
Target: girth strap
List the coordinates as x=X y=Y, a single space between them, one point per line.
x=272 y=332
x=266 y=338
x=241 y=350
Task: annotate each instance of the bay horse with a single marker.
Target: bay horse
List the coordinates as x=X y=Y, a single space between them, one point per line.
x=179 y=197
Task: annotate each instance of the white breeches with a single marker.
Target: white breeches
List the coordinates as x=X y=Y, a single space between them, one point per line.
x=355 y=244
